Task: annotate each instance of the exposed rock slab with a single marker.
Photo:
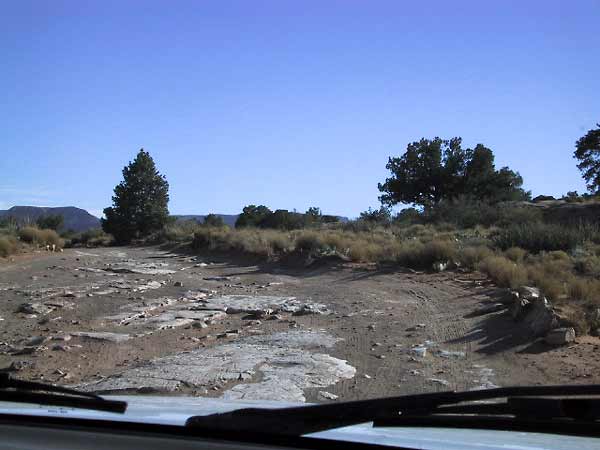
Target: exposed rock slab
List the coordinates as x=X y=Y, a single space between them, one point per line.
x=263 y=304
x=286 y=362
x=140 y=268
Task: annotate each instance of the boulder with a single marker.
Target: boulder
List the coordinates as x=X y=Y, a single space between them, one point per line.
x=540 y=317
x=560 y=336
x=508 y=297
x=529 y=292
x=519 y=308
x=440 y=266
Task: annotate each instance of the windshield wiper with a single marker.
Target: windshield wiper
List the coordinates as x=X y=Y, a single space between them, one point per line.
x=529 y=408
x=20 y=391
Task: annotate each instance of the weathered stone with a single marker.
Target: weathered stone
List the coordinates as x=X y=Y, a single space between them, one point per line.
x=440 y=266
x=419 y=351
x=451 y=354
x=34 y=341
x=439 y=381
x=529 y=292
x=33 y=308
x=102 y=336
x=140 y=268
x=560 y=336
x=518 y=308
x=60 y=348
x=328 y=395
x=489 y=309
x=178 y=284
x=540 y=317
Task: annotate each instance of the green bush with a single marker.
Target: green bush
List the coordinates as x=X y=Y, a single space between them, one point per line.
x=537 y=237
x=94 y=237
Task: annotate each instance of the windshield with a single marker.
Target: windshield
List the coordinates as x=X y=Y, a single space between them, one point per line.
x=308 y=202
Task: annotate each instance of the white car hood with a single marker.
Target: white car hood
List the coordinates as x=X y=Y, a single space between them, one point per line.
x=173 y=410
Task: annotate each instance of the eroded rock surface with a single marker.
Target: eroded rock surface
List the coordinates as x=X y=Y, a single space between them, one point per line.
x=283 y=365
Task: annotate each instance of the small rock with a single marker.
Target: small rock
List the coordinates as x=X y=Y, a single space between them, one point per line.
x=15 y=366
x=420 y=352
x=199 y=324
x=438 y=381
x=371 y=327
x=381 y=356
x=328 y=395
x=178 y=284
x=368 y=377
x=560 y=336
x=60 y=348
x=35 y=340
x=24 y=351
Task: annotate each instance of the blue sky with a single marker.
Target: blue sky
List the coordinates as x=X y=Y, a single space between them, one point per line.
x=288 y=104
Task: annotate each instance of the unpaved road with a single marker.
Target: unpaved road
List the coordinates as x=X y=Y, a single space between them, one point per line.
x=146 y=320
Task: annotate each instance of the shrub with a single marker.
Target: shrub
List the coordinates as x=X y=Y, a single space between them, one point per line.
x=94 y=237
x=537 y=237
x=584 y=289
x=309 y=241
x=588 y=265
x=213 y=220
x=503 y=271
x=420 y=255
x=40 y=237
x=8 y=246
x=515 y=254
x=471 y=256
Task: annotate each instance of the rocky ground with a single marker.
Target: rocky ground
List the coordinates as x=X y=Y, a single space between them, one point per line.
x=149 y=321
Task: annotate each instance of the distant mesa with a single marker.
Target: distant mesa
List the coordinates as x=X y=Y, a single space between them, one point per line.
x=75 y=219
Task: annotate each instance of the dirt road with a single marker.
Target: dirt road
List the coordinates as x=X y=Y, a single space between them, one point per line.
x=146 y=320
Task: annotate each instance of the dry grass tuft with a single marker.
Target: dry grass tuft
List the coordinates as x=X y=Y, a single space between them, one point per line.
x=36 y=236
x=503 y=271
x=8 y=246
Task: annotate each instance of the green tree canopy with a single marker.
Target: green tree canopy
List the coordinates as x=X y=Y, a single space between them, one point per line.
x=213 y=220
x=51 y=221
x=252 y=216
x=313 y=215
x=587 y=152
x=140 y=201
x=432 y=170
x=379 y=216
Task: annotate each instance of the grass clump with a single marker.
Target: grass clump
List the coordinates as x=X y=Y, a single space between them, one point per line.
x=419 y=255
x=503 y=271
x=537 y=237
x=470 y=257
x=36 y=236
x=8 y=246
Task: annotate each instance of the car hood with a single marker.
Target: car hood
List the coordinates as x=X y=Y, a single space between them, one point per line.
x=175 y=410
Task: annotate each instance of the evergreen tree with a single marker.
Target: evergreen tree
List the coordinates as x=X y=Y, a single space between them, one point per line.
x=139 y=202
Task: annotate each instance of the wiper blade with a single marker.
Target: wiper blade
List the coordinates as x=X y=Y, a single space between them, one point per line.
x=389 y=411
x=20 y=391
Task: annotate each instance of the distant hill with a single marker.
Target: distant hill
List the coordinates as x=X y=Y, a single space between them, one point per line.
x=76 y=219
